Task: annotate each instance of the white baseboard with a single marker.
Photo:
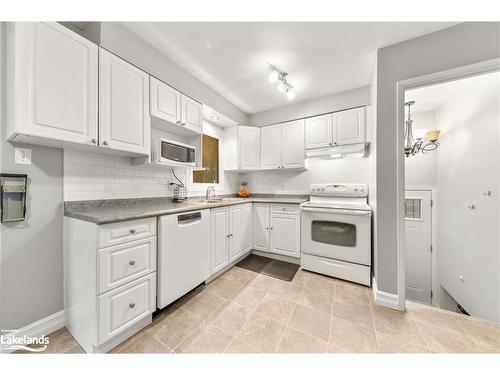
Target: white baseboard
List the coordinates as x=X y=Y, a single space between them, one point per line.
x=41 y=327
x=385 y=299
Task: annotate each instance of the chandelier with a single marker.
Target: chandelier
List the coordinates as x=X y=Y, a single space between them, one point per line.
x=415 y=144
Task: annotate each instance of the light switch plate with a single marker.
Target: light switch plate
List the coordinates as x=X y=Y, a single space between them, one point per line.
x=22 y=155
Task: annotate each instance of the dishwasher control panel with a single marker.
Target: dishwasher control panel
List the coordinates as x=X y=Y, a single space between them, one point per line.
x=189 y=217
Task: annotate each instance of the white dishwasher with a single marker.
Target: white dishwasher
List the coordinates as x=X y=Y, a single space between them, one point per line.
x=183 y=254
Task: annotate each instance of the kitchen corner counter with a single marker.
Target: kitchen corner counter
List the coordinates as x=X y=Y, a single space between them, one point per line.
x=115 y=210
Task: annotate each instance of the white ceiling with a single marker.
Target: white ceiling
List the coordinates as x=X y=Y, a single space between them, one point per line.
x=321 y=58
x=432 y=98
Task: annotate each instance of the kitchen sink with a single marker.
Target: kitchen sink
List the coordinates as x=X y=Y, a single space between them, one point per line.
x=218 y=200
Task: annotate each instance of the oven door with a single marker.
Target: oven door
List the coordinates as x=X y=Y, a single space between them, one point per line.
x=337 y=234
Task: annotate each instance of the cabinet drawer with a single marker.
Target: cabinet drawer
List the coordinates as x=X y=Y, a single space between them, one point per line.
x=125 y=306
x=285 y=208
x=125 y=231
x=120 y=264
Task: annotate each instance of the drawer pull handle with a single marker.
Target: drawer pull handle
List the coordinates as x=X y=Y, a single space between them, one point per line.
x=132 y=230
x=132 y=305
x=132 y=262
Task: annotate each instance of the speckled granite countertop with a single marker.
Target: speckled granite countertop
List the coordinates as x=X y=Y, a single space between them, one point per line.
x=113 y=210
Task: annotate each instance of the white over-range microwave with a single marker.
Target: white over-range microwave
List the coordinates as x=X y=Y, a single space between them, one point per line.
x=176 y=153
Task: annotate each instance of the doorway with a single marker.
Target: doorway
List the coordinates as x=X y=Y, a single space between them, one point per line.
x=452 y=186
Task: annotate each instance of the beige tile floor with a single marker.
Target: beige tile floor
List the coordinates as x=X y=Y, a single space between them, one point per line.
x=245 y=312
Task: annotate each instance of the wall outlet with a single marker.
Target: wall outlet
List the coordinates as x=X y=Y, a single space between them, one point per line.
x=22 y=155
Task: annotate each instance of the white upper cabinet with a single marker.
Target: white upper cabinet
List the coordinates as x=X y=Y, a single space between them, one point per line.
x=52 y=84
x=292 y=144
x=336 y=129
x=174 y=107
x=282 y=145
x=270 y=140
x=349 y=126
x=241 y=148
x=165 y=101
x=191 y=113
x=248 y=147
x=124 y=122
x=319 y=131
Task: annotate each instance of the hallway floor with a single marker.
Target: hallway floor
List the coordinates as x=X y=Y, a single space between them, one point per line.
x=245 y=312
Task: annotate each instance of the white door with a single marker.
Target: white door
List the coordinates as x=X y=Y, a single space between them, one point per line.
x=418 y=258
x=236 y=232
x=247 y=227
x=292 y=140
x=220 y=238
x=165 y=101
x=285 y=234
x=261 y=226
x=191 y=114
x=56 y=83
x=248 y=147
x=124 y=122
x=319 y=131
x=349 y=126
x=270 y=143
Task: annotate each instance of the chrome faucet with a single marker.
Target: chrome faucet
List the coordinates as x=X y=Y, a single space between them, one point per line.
x=210 y=193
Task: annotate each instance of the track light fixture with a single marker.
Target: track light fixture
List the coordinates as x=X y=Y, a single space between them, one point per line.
x=277 y=75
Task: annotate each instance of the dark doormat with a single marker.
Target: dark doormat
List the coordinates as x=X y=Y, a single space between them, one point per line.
x=269 y=267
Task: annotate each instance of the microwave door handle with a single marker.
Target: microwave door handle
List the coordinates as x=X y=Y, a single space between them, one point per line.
x=337 y=211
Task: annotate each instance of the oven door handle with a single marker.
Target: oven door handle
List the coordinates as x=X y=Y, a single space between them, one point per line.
x=337 y=211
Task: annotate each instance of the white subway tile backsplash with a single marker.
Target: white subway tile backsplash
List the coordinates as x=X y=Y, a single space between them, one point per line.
x=95 y=176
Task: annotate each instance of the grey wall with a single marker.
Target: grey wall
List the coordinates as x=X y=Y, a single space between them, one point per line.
x=119 y=40
x=31 y=251
x=325 y=104
x=464 y=44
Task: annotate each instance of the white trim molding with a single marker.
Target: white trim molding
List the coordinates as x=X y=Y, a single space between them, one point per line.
x=41 y=327
x=403 y=85
x=385 y=299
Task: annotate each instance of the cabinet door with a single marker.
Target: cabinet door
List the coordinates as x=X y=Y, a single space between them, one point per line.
x=247 y=227
x=349 y=126
x=236 y=232
x=191 y=114
x=165 y=101
x=270 y=143
x=248 y=147
x=261 y=226
x=123 y=105
x=220 y=226
x=285 y=234
x=319 y=131
x=292 y=140
x=56 y=83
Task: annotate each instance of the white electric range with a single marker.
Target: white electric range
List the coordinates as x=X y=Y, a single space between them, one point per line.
x=336 y=232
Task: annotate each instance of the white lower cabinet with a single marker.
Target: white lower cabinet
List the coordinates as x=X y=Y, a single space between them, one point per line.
x=276 y=228
x=231 y=234
x=109 y=280
x=220 y=238
x=285 y=234
x=261 y=226
x=122 y=307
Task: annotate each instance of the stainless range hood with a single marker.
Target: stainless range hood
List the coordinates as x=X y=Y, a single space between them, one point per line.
x=356 y=150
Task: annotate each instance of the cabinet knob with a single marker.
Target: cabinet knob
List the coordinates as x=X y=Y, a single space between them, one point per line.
x=183 y=123
x=331 y=144
x=178 y=123
x=132 y=230
x=132 y=262
x=272 y=228
x=267 y=228
x=93 y=141
x=131 y=305
x=105 y=143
